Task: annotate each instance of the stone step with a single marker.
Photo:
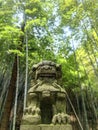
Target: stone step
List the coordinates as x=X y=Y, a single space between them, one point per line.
x=46 y=127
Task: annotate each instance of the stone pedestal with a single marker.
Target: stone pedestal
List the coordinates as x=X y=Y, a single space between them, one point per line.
x=46 y=127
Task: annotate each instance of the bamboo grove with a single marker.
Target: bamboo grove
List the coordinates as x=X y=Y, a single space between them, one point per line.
x=64 y=31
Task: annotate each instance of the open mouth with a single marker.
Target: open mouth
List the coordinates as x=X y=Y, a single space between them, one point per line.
x=50 y=75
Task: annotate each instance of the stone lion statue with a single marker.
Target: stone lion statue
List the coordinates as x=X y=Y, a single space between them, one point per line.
x=46 y=99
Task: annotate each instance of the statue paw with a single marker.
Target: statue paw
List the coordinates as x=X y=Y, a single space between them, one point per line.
x=31 y=116
x=32 y=110
x=61 y=118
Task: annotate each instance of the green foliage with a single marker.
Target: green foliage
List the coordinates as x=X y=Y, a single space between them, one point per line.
x=43 y=31
x=65 y=31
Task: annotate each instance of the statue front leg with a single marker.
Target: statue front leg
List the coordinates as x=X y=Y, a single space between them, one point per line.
x=32 y=111
x=60 y=116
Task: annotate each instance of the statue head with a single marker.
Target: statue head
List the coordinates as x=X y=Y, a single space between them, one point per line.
x=47 y=69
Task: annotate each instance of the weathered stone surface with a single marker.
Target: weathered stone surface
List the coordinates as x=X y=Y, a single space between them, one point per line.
x=29 y=127
x=46 y=100
x=46 y=127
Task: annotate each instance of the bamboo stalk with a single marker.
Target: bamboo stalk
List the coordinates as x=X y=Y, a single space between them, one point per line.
x=16 y=96
x=9 y=99
x=26 y=76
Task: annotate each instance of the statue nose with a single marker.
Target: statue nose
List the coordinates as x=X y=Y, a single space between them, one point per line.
x=46 y=67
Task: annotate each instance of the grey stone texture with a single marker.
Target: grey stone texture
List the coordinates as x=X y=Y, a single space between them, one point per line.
x=46 y=127
x=46 y=100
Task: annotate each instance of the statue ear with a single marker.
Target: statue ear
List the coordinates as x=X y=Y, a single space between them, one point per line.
x=58 y=67
x=34 y=70
x=59 y=72
x=34 y=67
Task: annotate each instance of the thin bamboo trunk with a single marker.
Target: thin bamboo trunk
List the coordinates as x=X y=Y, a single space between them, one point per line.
x=16 y=95
x=86 y=125
x=74 y=111
x=4 y=124
x=90 y=98
x=3 y=94
x=83 y=103
x=79 y=81
x=78 y=107
x=26 y=75
x=94 y=68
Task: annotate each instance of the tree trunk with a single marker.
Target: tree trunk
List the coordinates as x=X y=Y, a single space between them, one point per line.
x=9 y=99
x=85 y=123
x=16 y=95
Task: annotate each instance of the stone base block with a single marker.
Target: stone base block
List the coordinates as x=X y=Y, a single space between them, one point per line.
x=46 y=127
